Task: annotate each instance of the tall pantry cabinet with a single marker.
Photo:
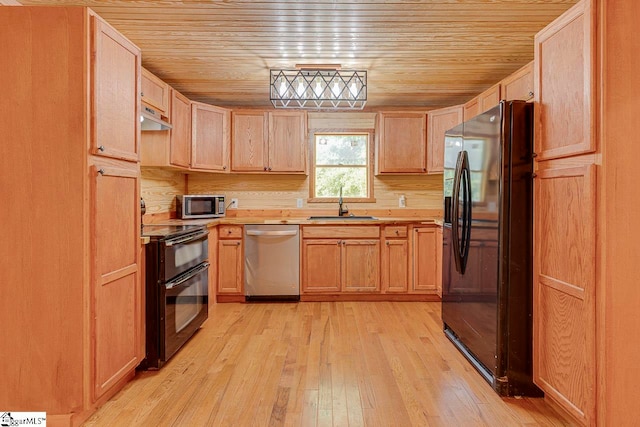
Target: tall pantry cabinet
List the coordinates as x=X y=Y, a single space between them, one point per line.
x=69 y=173
x=586 y=239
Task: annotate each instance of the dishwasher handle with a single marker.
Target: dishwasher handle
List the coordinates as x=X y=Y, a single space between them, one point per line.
x=272 y=233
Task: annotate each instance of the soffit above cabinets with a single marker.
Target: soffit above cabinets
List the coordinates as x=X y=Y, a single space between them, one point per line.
x=418 y=53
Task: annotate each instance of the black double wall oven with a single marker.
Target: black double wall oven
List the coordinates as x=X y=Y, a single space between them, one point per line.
x=176 y=289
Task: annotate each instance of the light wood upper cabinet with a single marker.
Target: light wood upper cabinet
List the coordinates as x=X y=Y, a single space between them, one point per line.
x=519 y=85
x=210 y=137
x=249 y=147
x=180 y=134
x=155 y=93
x=565 y=85
x=483 y=102
x=438 y=122
x=287 y=142
x=115 y=107
x=269 y=141
x=402 y=143
x=471 y=108
x=489 y=98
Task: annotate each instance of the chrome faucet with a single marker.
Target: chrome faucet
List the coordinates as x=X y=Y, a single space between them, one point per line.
x=341 y=211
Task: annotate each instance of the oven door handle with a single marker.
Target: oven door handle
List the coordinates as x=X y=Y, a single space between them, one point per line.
x=191 y=273
x=185 y=239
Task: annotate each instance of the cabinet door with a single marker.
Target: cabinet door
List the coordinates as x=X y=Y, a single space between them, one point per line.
x=249 y=142
x=438 y=122
x=471 y=108
x=115 y=101
x=116 y=291
x=287 y=142
x=360 y=265
x=564 y=286
x=180 y=142
x=425 y=260
x=402 y=144
x=565 y=85
x=489 y=98
x=230 y=266
x=395 y=265
x=519 y=85
x=320 y=265
x=155 y=92
x=209 y=137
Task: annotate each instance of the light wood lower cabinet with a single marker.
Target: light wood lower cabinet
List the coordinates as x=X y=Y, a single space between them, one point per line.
x=350 y=263
x=425 y=260
x=395 y=259
x=230 y=260
x=117 y=290
x=564 y=285
x=321 y=265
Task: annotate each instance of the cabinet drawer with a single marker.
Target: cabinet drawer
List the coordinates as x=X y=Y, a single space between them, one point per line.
x=395 y=231
x=230 y=231
x=332 y=232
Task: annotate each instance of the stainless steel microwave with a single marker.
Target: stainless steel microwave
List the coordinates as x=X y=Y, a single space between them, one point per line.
x=191 y=206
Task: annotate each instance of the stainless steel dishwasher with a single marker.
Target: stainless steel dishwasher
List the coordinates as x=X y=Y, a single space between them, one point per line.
x=271 y=262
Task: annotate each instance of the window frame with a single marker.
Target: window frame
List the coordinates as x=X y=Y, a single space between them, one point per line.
x=370 y=165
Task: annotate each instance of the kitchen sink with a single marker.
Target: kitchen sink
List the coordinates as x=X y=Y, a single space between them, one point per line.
x=351 y=217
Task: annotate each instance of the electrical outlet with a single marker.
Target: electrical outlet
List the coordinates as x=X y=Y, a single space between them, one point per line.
x=234 y=204
x=402 y=201
x=298 y=203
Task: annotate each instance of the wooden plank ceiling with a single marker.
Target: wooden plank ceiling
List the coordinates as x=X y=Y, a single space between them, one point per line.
x=426 y=53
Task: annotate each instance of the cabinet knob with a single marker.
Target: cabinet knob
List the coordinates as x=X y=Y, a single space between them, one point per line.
x=101 y=171
x=237 y=243
x=387 y=243
x=265 y=168
x=530 y=94
x=339 y=242
x=101 y=148
x=269 y=167
x=141 y=93
x=397 y=232
x=224 y=168
x=424 y=169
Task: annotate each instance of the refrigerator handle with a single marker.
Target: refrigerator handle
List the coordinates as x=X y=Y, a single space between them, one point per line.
x=455 y=211
x=466 y=213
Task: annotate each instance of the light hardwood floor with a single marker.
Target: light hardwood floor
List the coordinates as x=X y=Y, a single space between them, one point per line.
x=324 y=364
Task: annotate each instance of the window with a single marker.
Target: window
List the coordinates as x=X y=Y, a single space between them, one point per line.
x=341 y=160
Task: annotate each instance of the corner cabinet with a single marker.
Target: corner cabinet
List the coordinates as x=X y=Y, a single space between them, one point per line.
x=401 y=143
x=77 y=292
x=269 y=142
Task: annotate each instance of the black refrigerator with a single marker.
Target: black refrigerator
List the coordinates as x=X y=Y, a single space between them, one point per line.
x=487 y=289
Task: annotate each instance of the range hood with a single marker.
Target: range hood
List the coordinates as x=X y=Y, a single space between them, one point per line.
x=151 y=120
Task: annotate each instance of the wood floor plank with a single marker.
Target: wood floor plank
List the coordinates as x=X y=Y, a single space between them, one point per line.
x=319 y=364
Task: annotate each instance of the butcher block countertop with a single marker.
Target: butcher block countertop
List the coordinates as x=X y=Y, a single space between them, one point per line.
x=211 y=222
